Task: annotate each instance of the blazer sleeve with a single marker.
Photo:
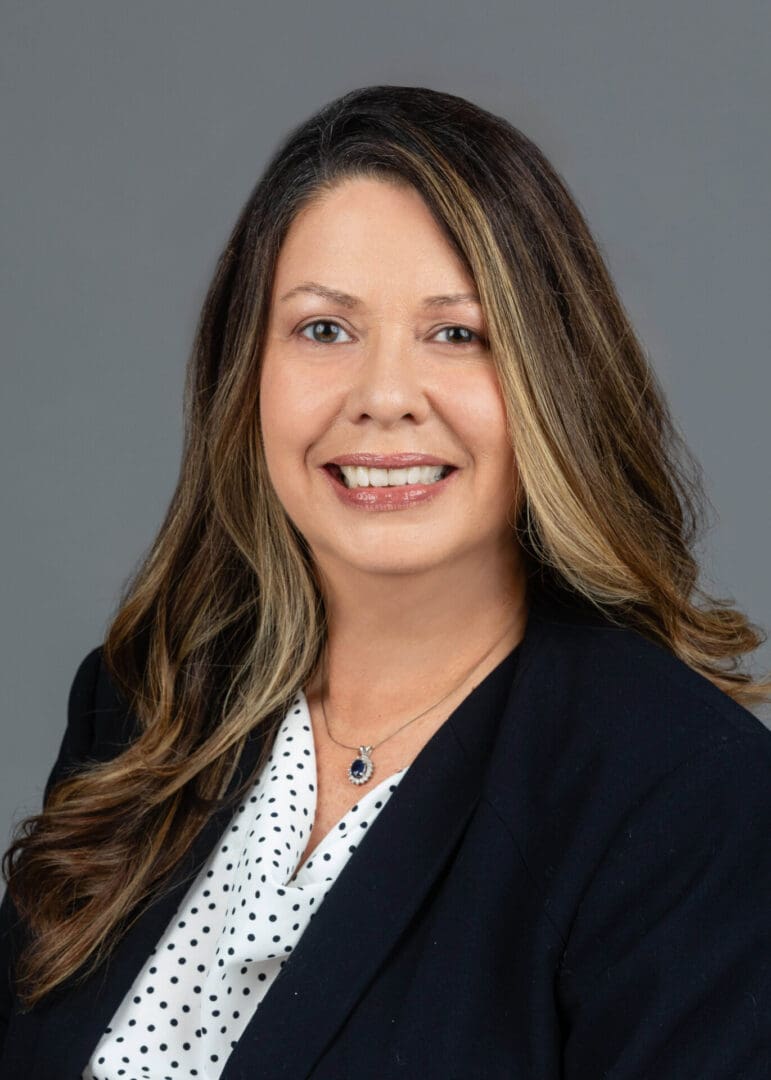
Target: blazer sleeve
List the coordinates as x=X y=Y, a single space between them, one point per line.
x=74 y=749
x=667 y=969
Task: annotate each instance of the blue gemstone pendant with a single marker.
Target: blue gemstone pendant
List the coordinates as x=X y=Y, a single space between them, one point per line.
x=362 y=767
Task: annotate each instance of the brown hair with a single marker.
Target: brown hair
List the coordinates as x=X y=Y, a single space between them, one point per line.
x=224 y=620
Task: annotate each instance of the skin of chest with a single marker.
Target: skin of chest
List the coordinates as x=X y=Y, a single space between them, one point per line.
x=335 y=794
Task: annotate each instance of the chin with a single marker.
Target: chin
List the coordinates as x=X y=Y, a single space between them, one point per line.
x=408 y=558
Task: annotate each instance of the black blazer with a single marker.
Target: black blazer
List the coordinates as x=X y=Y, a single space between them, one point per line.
x=573 y=880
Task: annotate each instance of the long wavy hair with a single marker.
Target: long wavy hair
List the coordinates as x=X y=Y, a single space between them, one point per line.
x=225 y=619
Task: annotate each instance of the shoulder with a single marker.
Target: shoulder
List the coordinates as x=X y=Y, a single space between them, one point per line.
x=598 y=718
x=640 y=718
x=657 y=865
x=614 y=686
x=98 y=726
x=99 y=722
x=613 y=753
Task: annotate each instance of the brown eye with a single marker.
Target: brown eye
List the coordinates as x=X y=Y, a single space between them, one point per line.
x=467 y=337
x=329 y=328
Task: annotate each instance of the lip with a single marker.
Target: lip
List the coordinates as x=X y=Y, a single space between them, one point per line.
x=398 y=497
x=388 y=461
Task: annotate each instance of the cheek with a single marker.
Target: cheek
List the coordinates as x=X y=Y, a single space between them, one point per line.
x=495 y=446
x=276 y=424
x=498 y=426
x=290 y=416
x=270 y=422
x=480 y=415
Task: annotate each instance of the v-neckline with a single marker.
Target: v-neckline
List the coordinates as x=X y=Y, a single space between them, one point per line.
x=362 y=803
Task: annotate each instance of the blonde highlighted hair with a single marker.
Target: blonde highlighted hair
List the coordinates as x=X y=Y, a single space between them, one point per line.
x=225 y=620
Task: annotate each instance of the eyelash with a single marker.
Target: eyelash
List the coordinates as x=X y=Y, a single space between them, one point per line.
x=454 y=326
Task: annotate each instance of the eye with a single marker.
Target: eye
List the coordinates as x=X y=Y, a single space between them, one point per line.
x=467 y=339
x=329 y=326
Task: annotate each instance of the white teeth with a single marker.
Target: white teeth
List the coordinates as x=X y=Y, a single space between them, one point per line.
x=356 y=476
x=377 y=477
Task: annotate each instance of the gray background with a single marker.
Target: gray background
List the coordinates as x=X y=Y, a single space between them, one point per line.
x=131 y=135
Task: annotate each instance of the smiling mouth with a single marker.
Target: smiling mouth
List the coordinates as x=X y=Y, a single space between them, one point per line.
x=358 y=476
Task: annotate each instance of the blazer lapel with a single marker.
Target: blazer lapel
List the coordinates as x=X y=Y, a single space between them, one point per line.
x=380 y=887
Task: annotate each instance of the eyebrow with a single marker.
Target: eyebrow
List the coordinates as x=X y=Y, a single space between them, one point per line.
x=353 y=302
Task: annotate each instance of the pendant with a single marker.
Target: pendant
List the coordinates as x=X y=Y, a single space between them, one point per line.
x=362 y=767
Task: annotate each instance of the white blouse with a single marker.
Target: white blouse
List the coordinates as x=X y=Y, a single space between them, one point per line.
x=241 y=917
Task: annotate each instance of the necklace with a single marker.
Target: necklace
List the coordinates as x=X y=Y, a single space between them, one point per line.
x=362 y=768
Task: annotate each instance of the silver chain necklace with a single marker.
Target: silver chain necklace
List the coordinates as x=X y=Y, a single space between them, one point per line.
x=362 y=767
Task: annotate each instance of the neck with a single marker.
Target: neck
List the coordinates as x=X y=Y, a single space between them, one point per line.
x=397 y=643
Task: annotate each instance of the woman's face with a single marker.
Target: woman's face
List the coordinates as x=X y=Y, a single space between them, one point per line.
x=371 y=355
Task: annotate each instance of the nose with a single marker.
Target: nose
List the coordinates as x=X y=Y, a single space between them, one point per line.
x=386 y=383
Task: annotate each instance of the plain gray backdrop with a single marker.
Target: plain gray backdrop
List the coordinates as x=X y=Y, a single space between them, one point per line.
x=131 y=134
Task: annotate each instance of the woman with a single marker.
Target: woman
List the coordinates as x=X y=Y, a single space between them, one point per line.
x=409 y=750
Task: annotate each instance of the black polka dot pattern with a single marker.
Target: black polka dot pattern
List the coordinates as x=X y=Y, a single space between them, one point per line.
x=238 y=923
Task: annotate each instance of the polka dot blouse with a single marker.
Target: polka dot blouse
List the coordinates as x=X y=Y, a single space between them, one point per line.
x=238 y=922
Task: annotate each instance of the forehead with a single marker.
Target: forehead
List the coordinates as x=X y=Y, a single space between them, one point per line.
x=370 y=232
